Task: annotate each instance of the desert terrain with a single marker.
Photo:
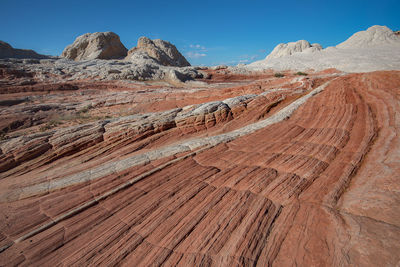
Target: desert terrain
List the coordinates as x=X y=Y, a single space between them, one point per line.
x=135 y=158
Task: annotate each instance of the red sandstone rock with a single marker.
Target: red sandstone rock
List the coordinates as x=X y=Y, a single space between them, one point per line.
x=317 y=189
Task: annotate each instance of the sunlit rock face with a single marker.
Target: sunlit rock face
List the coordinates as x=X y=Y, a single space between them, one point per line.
x=99 y=45
x=162 y=51
x=232 y=167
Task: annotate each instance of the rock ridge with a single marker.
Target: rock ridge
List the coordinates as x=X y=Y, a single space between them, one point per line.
x=7 y=51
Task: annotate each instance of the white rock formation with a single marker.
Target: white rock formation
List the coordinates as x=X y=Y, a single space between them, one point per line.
x=162 y=51
x=99 y=45
x=289 y=49
x=373 y=36
x=377 y=48
x=142 y=68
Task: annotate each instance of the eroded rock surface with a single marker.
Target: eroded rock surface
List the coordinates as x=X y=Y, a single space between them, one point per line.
x=377 y=48
x=289 y=49
x=244 y=170
x=143 y=68
x=99 y=56
x=98 y=45
x=162 y=51
x=373 y=36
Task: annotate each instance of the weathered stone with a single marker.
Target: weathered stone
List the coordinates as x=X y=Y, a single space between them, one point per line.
x=163 y=52
x=242 y=169
x=99 y=45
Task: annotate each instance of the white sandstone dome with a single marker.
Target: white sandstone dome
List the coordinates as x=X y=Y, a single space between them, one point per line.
x=283 y=50
x=162 y=51
x=377 y=48
x=99 y=45
x=373 y=36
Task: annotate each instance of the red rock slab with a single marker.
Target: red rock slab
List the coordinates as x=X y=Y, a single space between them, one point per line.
x=289 y=194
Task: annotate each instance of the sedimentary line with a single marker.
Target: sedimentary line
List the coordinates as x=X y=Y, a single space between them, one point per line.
x=145 y=158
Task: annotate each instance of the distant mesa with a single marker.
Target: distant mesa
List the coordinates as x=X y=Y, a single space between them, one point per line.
x=7 y=51
x=162 y=51
x=289 y=49
x=98 y=45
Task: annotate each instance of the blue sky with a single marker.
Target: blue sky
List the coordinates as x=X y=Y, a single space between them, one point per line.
x=206 y=32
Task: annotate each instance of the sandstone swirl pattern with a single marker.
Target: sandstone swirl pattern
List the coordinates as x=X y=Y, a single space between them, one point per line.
x=261 y=171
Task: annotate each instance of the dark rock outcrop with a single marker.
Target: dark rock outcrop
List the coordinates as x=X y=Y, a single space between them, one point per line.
x=7 y=51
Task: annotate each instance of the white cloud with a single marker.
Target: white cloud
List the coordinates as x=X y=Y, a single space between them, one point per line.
x=193 y=54
x=197 y=46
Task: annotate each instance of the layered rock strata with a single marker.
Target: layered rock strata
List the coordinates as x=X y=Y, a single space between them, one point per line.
x=273 y=171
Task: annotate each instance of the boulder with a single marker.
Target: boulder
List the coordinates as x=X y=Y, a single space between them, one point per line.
x=289 y=49
x=99 y=45
x=7 y=51
x=163 y=52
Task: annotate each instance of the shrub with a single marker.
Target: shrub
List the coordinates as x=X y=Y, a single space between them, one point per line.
x=301 y=73
x=3 y=136
x=51 y=124
x=86 y=109
x=279 y=75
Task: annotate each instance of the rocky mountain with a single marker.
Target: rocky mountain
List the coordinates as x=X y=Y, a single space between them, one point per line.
x=162 y=51
x=99 y=45
x=301 y=46
x=7 y=51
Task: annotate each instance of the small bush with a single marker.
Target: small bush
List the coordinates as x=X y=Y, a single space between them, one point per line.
x=3 y=136
x=85 y=109
x=301 y=73
x=44 y=128
x=279 y=75
x=51 y=124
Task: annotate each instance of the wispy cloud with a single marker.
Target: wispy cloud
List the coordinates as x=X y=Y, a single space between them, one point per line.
x=197 y=46
x=192 y=54
x=48 y=51
x=249 y=57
